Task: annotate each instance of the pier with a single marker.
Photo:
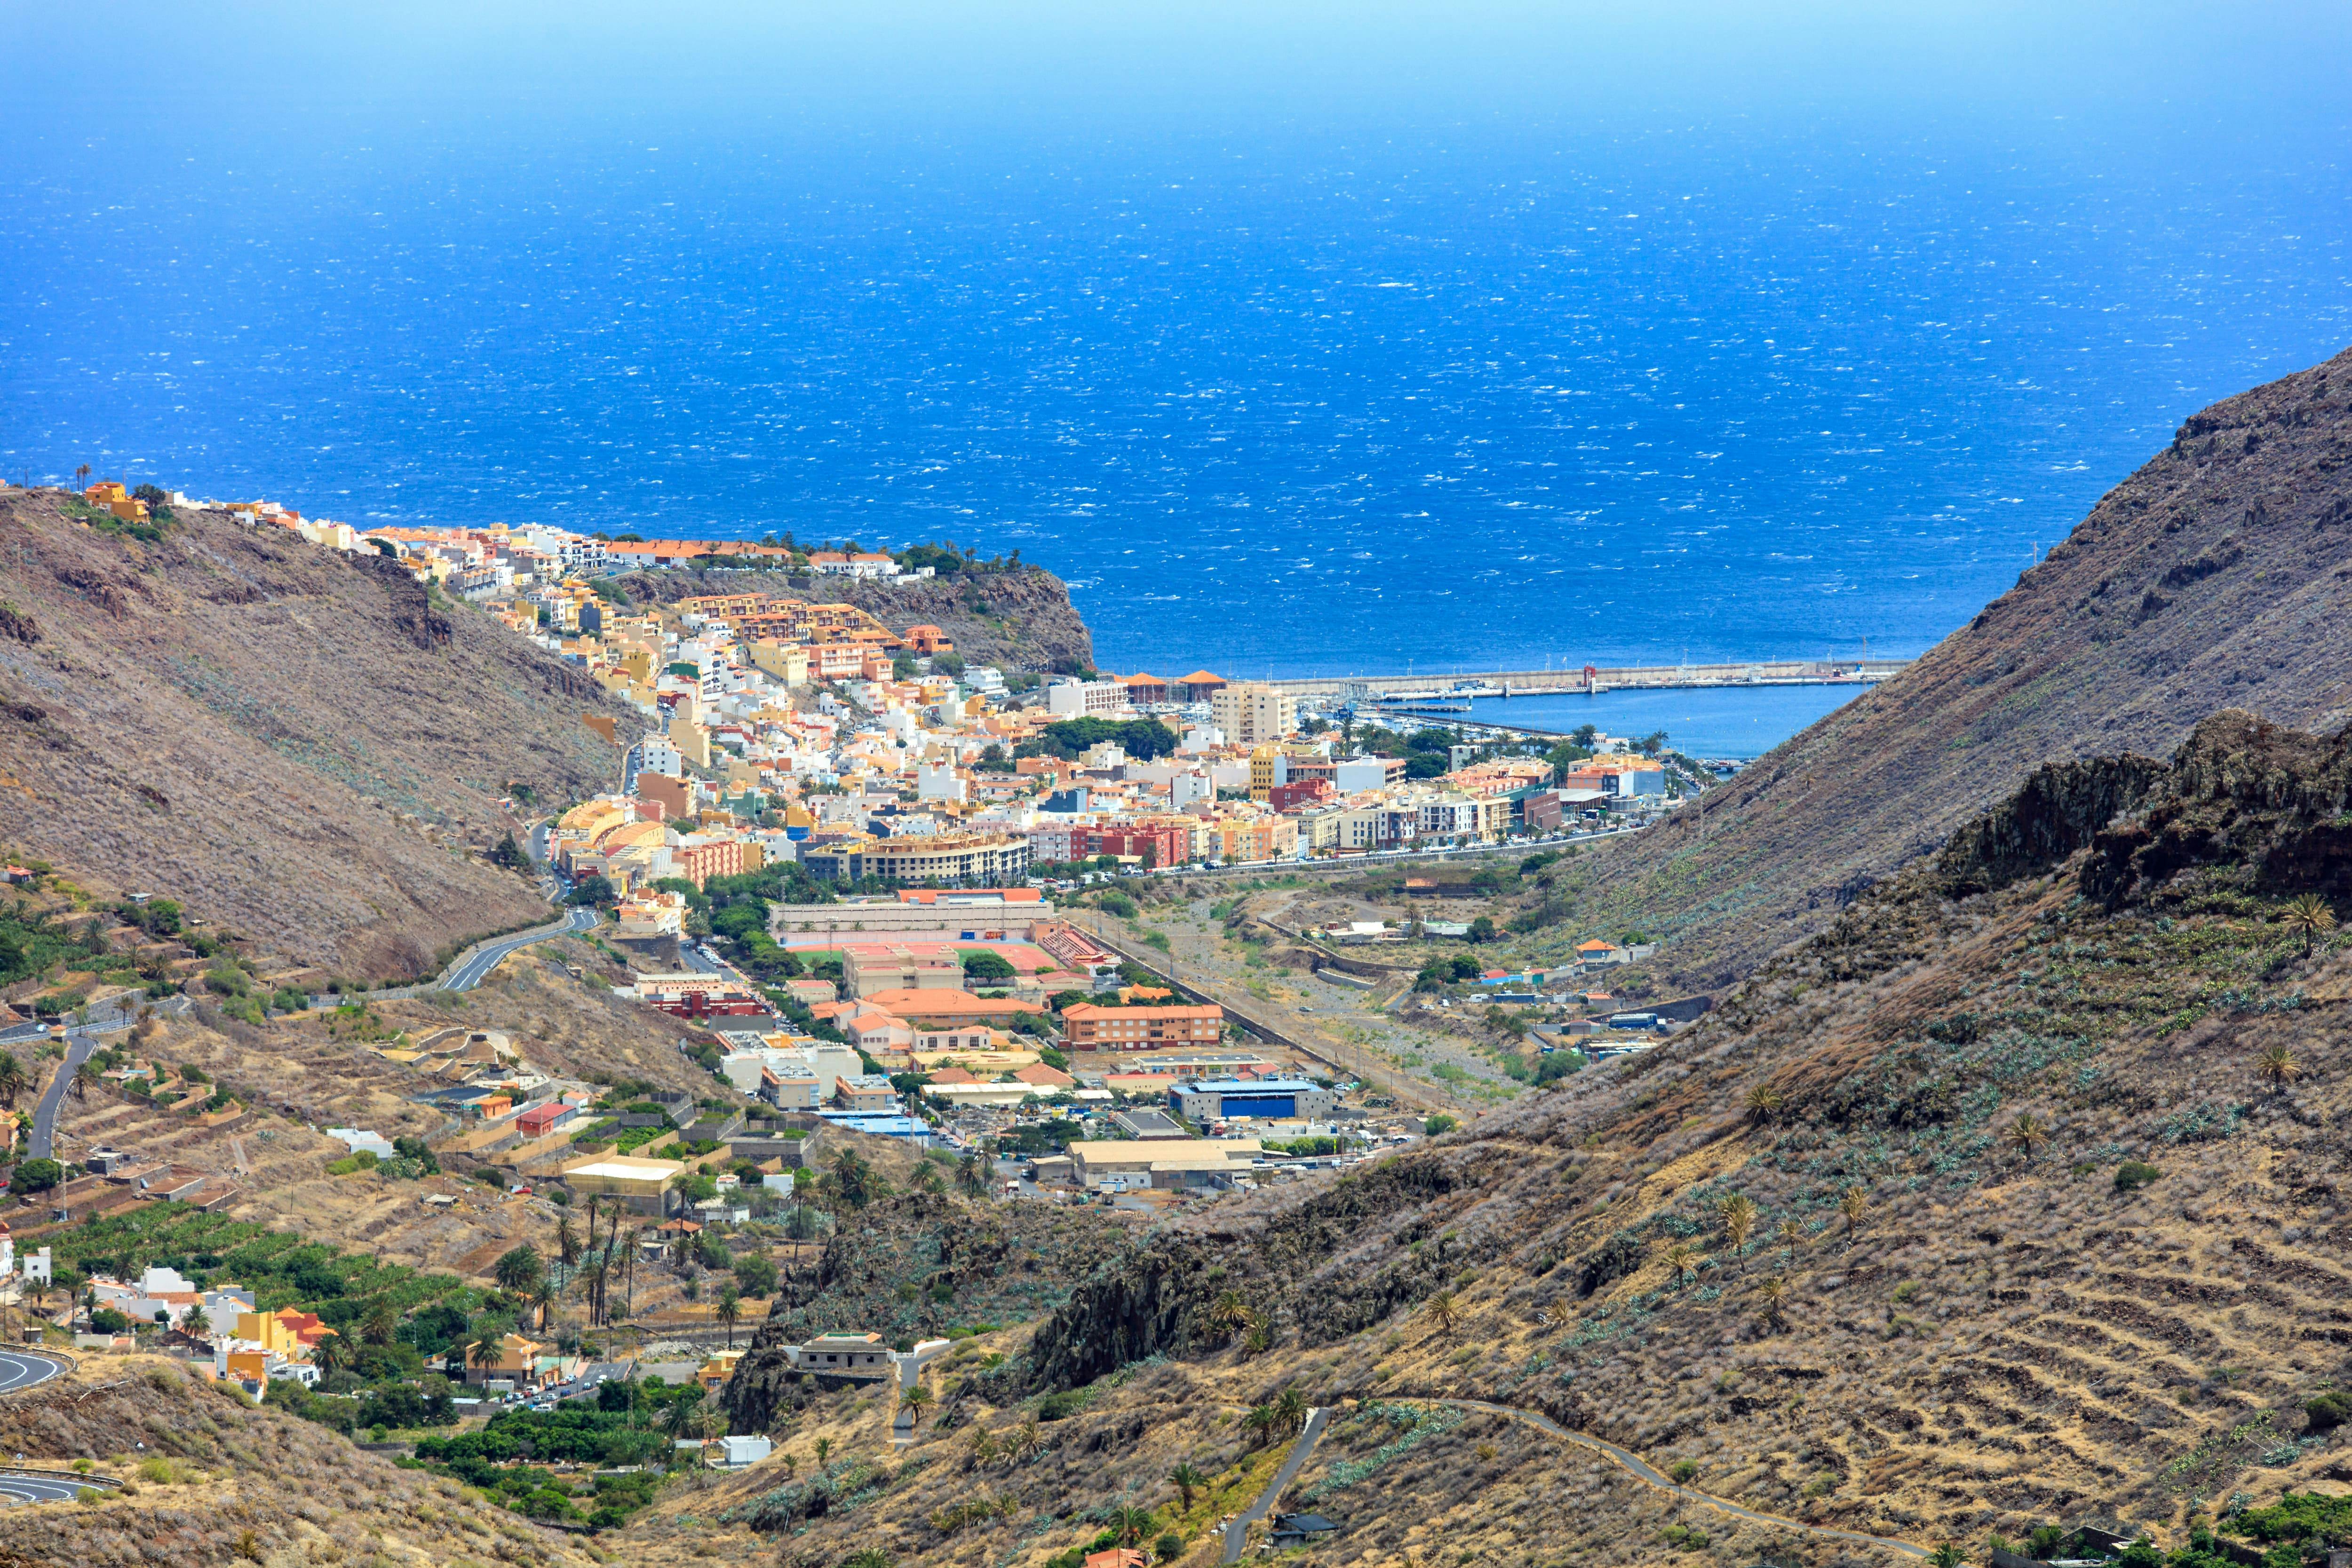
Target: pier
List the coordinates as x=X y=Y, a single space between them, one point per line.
x=1586 y=680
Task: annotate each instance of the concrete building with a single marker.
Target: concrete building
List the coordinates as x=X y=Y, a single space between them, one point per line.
x=1128 y=1164
x=1090 y=1027
x=1218 y=1099
x=1253 y=713
x=639 y=1185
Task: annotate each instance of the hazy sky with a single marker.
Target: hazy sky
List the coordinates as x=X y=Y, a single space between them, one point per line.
x=1086 y=65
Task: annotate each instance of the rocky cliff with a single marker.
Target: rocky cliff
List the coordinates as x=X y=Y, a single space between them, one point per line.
x=301 y=744
x=2218 y=576
x=1017 y=620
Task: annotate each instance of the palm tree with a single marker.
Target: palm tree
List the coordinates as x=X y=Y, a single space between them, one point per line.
x=824 y=1451
x=1773 y=1291
x=2278 y=1068
x=1764 y=1103
x=84 y=1075
x=984 y=1447
x=82 y=477
x=629 y=1247
x=1027 y=1439
x=1232 y=1313
x=973 y=1174
x=382 y=1323
x=1947 y=1555
x=567 y=1242
x=484 y=1354
x=1185 y=1479
x=1259 y=1424
x=2308 y=913
x=1445 y=1311
x=2026 y=1135
x=1132 y=1524
x=1290 y=1412
x=1679 y=1258
x=542 y=1294
x=919 y=1399
x=927 y=1177
x=1855 y=1206
x=729 y=1311
x=331 y=1353
x=1790 y=1233
x=1738 y=1219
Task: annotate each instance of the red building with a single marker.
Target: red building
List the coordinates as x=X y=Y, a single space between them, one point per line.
x=1157 y=845
x=1296 y=797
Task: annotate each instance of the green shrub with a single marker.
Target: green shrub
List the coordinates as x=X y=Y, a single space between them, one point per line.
x=2329 y=1412
x=2132 y=1175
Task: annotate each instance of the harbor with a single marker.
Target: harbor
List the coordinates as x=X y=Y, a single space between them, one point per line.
x=1589 y=680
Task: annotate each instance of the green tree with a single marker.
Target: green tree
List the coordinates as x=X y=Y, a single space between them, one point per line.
x=856 y=1179
x=519 y=1268
x=1444 y=1310
x=36 y=1176
x=729 y=1312
x=756 y=1275
x=1187 y=1480
x=12 y=1082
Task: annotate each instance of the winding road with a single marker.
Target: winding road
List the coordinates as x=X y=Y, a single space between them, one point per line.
x=473 y=966
x=1642 y=1471
x=1237 y=1533
x=21 y=1370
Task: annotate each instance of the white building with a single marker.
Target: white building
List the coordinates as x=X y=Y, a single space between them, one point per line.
x=1084 y=699
x=1251 y=713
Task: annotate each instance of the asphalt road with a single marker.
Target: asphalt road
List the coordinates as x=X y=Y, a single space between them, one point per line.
x=32 y=1486
x=475 y=970
x=1642 y=1470
x=42 y=1145
x=1237 y=1533
x=22 y=1369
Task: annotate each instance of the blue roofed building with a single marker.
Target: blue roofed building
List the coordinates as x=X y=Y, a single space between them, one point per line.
x=1276 y=1099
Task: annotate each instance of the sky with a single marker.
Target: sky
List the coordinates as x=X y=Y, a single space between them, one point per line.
x=1090 y=66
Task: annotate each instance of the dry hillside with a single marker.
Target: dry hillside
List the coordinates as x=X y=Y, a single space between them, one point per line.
x=2218 y=576
x=299 y=744
x=2015 y=1324
x=214 y=1482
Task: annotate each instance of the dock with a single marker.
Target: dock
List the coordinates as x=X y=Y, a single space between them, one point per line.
x=1588 y=680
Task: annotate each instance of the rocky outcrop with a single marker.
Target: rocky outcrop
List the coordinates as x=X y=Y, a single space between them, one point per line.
x=1018 y=620
x=2053 y=814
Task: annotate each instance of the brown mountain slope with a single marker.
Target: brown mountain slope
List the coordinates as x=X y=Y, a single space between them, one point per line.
x=2014 y=1328
x=241 y=720
x=2220 y=574
x=214 y=1481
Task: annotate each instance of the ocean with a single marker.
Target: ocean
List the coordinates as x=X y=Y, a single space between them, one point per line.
x=1499 y=396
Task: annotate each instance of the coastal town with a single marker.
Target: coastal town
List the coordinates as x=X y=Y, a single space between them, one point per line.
x=782 y=728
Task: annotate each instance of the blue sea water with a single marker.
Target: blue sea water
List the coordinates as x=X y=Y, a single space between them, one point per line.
x=1487 y=397
x=1738 y=723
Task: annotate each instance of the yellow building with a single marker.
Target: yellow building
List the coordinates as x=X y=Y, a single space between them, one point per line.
x=638 y=1183
x=1267 y=771
x=788 y=662
x=717 y=1369
x=275 y=1331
